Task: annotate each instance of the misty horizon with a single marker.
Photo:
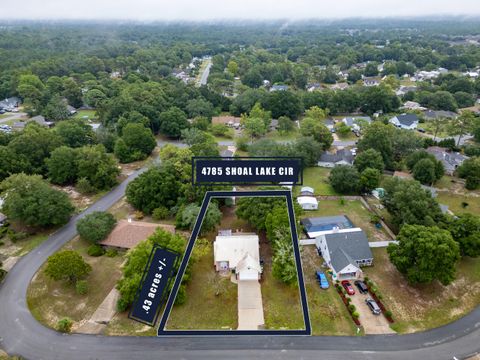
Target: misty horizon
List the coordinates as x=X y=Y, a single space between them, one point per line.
x=217 y=10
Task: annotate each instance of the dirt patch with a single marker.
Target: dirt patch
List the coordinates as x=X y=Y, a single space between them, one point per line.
x=79 y=200
x=421 y=307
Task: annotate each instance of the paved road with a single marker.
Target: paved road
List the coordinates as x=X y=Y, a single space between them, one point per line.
x=21 y=334
x=205 y=73
x=344 y=143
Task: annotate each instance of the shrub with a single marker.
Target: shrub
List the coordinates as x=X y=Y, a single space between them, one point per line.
x=3 y=273
x=84 y=186
x=95 y=250
x=352 y=308
x=15 y=236
x=96 y=226
x=355 y=315
x=160 y=213
x=111 y=253
x=81 y=287
x=64 y=325
x=366 y=279
x=349 y=300
x=389 y=314
x=464 y=204
x=138 y=215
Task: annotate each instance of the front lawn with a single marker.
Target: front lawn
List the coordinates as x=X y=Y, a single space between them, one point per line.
x=204 y=309
x=317 y=177
x=422 y=307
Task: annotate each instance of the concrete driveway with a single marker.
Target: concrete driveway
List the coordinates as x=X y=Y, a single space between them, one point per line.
x=373 y=324
x=250 y=305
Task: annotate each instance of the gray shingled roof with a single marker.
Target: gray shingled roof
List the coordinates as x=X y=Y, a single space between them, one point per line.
x=346 y=248
x=343 y=154
x=407 y=119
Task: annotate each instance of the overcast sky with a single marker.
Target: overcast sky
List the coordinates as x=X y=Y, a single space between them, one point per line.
x=230 y=9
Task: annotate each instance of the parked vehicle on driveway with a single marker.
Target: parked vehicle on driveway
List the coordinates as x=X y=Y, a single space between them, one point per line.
x=361 y=286
x=374 y=308
x=322 y=280
x=348 y=287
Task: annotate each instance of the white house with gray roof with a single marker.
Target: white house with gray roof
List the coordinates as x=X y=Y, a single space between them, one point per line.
x=345 y=253
x=405 y=121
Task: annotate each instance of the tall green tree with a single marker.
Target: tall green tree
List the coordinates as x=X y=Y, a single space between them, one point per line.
x=67 y=265
x=425 y=254
x=30 y=200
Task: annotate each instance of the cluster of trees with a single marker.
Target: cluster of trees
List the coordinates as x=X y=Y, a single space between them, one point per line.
x=430 y=243
x=167 y=186
x=425 y=167
x=470 y=170
x=136 y=261
x=306 y=147
x=91 y=167
x=270 y=215
x=30 y=200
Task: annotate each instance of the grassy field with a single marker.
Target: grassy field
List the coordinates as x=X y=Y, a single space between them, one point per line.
x=278 y=136
x=317 y=177
x=454 y=202
x=328 y=314
x=204 y=309
x=50 y=300
x=355 y=211
x=91 y=115
x=3 y=116
x=417 y=308
x=429 y=127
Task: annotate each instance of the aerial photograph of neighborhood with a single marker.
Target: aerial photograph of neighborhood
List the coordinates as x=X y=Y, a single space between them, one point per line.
x=257 y=179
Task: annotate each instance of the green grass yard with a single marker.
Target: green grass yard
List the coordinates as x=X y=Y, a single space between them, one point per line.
x=204 y=309
x=455 y=201
x=85 y=114
x=317 y=177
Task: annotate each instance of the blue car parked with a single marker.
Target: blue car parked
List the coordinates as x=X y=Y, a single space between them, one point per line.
x=322 y=280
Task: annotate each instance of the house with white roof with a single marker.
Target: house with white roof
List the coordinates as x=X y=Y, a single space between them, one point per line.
x=307 y=202
x=238 y=253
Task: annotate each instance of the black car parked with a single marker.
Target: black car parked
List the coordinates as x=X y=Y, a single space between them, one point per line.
x=361 y=286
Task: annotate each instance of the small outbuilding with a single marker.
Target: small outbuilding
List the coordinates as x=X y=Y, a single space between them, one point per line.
x=307 y=202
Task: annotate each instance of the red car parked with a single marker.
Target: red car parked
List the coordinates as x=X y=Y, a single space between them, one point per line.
x=348 y=287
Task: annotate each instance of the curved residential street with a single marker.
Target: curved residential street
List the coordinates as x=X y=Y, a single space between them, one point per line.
x=21 y=334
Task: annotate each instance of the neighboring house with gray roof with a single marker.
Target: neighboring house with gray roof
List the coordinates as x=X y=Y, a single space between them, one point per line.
x=450 y=160
x=357 y=122
x=345 y=252
x=439 y=114
x=405 y=121
x=9 y=103
x=279 y=88
x=316 y=226
x=340 y=157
